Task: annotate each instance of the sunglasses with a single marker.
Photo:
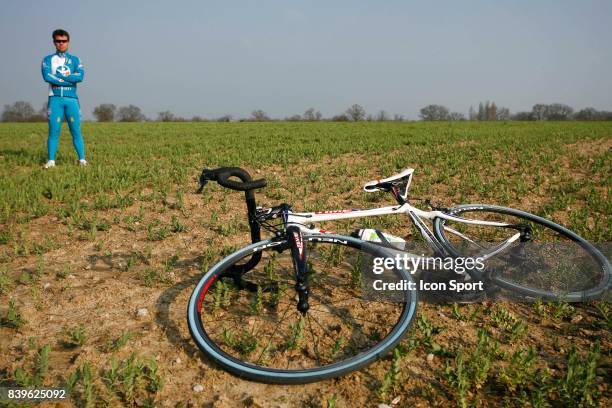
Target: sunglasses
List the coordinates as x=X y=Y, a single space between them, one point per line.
x=60 y=41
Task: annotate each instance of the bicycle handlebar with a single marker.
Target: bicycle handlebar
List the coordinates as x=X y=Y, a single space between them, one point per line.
x=222 y=176
x=246 y=182
x=248 y=185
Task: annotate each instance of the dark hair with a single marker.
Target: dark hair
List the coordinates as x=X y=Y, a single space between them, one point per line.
x=60 y=33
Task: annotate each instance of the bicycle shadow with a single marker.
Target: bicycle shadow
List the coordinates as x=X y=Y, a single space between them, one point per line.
x=163 y=315
x=166 y=319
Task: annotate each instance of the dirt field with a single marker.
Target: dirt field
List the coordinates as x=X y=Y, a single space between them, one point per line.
x=98 y=300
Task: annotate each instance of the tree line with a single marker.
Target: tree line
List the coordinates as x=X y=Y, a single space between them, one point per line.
x=488 y=111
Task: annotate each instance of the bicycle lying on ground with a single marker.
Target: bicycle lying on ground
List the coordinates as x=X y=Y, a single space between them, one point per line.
x=298 y=307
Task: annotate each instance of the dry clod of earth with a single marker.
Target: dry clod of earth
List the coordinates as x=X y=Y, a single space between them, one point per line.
x=253 y=402
x=142 y=312
x=198 y=388
x=576 y=319
x=221 y=401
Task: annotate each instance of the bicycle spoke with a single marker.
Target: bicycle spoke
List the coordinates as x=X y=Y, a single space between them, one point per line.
x=256 y=322
x=276 y=328
x=349 y=317
x=329 y=334
x=315 y=341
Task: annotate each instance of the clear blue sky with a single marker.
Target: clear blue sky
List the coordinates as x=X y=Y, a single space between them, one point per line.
x=215 y=57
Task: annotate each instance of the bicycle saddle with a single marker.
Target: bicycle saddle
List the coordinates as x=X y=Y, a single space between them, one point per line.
x=400 y=181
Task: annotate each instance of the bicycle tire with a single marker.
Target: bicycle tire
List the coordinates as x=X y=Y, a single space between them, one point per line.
x=207 y=316
x=556 y=265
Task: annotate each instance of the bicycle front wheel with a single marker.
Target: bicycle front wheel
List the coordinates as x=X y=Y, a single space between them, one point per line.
x=249 y=323
x=550 y=262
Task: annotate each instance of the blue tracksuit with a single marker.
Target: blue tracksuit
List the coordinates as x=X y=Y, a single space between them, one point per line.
x=63 y=71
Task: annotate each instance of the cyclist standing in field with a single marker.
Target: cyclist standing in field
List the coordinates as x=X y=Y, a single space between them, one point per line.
x=63 y=71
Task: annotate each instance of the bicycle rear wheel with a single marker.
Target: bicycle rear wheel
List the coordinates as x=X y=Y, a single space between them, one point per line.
x=250 y=324
x=552 y=263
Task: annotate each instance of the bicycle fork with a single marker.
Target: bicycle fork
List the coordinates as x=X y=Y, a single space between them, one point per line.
x=299 y=256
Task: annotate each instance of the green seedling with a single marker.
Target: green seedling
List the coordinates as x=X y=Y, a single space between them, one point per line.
x=392 y=377
x=115 y=344
x=13 y=318
x=76 y=337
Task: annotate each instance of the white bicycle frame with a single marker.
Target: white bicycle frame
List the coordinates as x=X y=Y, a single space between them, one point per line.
x=416 y=215
x=305 y=220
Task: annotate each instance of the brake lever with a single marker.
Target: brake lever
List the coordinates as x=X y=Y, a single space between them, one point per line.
x=205 y=177
x=201 y=188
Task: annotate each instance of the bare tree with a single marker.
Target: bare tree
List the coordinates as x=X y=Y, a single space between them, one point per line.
x=522 y=116
x=503 y=114
x=456 y=116
x=382 y=116
x=312 y=115
x=472 y=114
x=481 y=112
x=224 y=118
x=398 y=117
x=434 y=112
x=604 y=115
x=294 y=118
x=586 y=114
x=42 y=115
x=591 y=114
x=105 y=112
x=356 y=113
x=130 y=113
x=539 y=111
x=559 y=111
x=340 y=118
x=554 y=111
x=259 y=116
x=19 y=111
x=166 y=116
x=491 y=111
